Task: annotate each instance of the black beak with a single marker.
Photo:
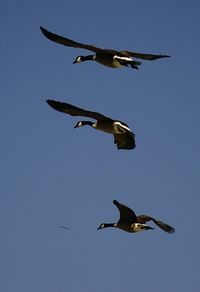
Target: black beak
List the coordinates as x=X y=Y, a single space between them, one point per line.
x=74 y=62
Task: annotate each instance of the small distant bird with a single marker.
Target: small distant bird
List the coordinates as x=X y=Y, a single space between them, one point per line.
x=131 y=223
x=64 y=227
x=123 y=137
x=106 y=57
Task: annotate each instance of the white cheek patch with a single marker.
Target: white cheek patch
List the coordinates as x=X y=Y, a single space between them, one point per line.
x=122 y=58
x=78 y=60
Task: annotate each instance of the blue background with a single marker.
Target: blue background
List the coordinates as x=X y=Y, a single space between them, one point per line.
x=53 y=175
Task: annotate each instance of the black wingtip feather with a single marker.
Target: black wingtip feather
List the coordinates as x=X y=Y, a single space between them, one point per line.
x=116 y=203
x=57 y=105
x=50 y=102
x=43 y=30
x=167 y=228
x=165 y=56
x=49 y=35
x=156 y=57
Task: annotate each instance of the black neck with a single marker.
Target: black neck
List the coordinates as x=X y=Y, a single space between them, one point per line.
x=87 y=58
x=108 y=225
x=89 y=123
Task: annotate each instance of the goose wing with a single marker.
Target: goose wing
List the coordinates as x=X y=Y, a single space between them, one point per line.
x=125 y=140
x=67 y=42
x=162 y=225
x=74 y=110
x=126 y=214
x=143 y=56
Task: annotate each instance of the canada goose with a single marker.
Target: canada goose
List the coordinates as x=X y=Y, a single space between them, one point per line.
x=123 y=136
x=106 y=57
x=64 y=227
x=131 y=223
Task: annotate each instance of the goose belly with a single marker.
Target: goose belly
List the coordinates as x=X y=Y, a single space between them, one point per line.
x=126 y=227
x=133 y=228
x=107 y=60
x=138 y=227
x=111 y=64
x=105 y=126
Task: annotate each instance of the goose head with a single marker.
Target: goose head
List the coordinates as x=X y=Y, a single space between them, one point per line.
x=80 y=59
x=105 y=225
x=78 y=125
x=101 y=226
x=83 y=123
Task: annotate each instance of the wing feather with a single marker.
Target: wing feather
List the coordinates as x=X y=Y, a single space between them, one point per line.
x=126 y=214
x=125 y=140
x=162 y=225
x=74 y=111
x=143 y=56
x=67 y=42
x=70 y=43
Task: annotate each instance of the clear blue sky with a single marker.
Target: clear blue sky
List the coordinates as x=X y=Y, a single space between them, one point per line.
x=54 y=175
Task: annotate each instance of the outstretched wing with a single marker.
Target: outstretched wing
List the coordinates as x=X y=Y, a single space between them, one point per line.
x=126 y=214
x=125 y=140
x=143 y=56
x=162 y=225
x=67 y=42
x=74 y=110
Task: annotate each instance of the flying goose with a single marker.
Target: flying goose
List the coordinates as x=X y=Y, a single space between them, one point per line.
x=106 y=57
x=131 y=223
x=64 y=227
x=123 y=137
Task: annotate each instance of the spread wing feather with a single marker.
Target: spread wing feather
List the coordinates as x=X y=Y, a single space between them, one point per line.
x=144 y=56
x=162 y=225
x=67 y=42
x=70 y=43
x=74 y=110
x=125 y=140
x=126 y=214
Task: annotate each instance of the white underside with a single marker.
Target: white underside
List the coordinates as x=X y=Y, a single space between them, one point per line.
x=111 y=128
x=116 y=63
x=113 y=63
x=138 y=227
